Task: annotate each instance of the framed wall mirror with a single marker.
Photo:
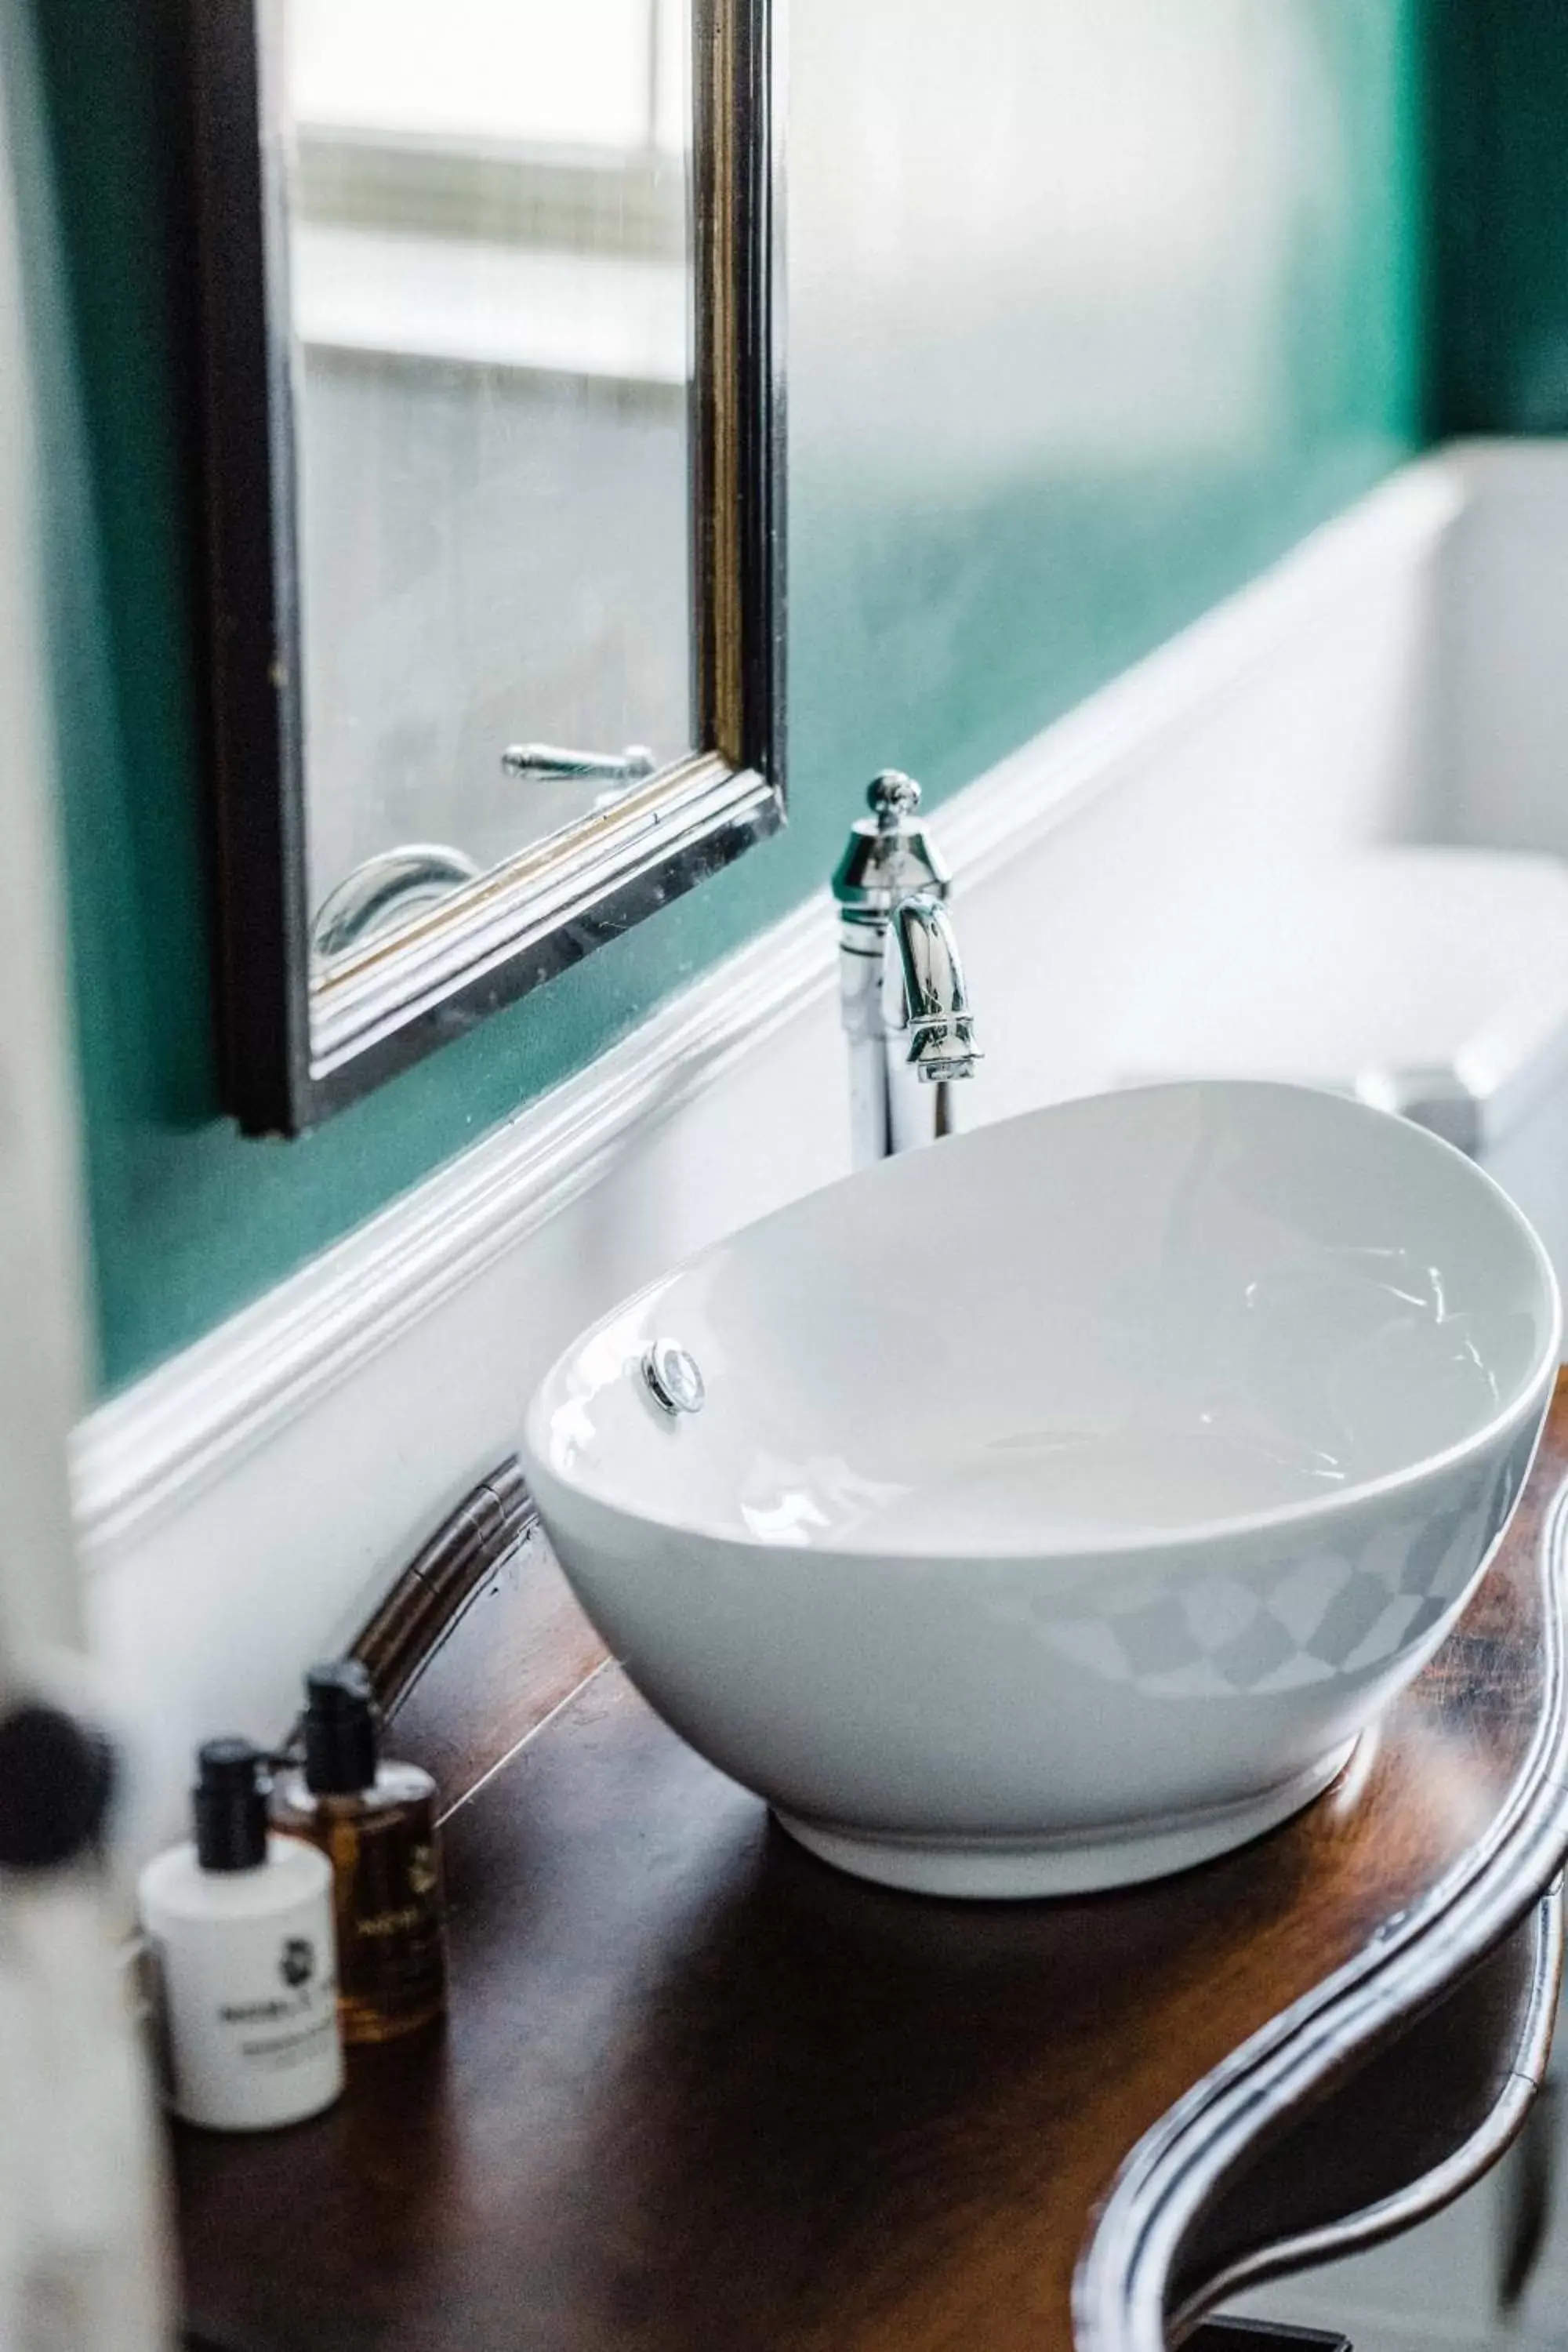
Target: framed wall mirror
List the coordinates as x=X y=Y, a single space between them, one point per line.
x=494 y=475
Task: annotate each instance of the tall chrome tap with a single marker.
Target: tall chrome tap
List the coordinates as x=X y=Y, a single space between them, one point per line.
x=906 y=1015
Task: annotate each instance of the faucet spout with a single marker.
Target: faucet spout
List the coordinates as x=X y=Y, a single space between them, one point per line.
x=941 y=1031
x=905 y=1009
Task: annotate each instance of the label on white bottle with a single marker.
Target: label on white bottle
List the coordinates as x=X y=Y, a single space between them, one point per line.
x=250 y=2016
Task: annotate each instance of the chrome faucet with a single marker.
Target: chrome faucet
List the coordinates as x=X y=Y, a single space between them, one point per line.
x=900 y=977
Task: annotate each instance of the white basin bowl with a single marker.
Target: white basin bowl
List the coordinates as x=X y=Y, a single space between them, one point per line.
x=1069 y=1496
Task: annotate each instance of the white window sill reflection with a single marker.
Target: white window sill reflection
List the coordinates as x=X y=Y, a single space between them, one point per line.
x=480 y=304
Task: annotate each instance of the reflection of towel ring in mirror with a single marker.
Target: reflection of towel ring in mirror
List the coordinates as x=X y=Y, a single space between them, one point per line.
x=384 y=891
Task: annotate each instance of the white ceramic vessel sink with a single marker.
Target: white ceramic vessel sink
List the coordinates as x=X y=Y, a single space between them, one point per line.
x=1069 y=1496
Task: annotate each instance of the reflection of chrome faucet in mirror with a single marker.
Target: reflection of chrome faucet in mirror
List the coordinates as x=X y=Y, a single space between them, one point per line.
x=494 y=489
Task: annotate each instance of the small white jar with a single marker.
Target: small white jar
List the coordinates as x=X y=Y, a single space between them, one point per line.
x=239 y=1931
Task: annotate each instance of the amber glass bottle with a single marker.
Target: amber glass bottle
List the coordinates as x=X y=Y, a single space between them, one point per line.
x=375 y=1822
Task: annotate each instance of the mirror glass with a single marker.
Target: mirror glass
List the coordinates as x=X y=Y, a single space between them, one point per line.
x=489 y=338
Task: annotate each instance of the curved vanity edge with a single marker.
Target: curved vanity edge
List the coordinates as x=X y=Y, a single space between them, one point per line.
x=1427 y=2196
x=1121 y=2283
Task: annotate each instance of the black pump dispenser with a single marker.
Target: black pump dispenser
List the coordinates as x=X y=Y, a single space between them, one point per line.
x=341 y=1741
x=230 y=1802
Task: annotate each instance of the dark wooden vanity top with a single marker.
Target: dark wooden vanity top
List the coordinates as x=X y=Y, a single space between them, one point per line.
x=700 y=2093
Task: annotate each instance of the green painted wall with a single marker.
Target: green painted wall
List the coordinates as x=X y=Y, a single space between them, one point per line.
x=1095 y=308
x=1499 y=144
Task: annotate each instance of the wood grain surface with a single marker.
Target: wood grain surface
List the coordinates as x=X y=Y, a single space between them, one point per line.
x=522 y=1649
x=699 y=2092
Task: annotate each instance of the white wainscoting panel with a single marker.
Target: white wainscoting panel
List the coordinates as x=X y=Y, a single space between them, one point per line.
x=1500 y=710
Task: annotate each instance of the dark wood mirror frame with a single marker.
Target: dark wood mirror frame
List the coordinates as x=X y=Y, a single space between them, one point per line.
x=297 y=1045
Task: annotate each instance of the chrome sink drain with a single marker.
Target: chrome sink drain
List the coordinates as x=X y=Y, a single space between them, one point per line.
x=674 y=1378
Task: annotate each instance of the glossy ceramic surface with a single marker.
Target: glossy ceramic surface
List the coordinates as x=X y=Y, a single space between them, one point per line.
x=1067 y=1497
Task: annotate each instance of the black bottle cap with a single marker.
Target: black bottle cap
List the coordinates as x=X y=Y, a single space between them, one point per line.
x=231 y=1806
x=341 y=1738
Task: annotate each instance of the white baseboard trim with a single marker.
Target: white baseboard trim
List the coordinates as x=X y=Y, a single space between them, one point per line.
x=145 y=1455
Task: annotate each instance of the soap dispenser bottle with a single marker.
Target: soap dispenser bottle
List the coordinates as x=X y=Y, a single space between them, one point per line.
x=375 y=1822
x=239 y=1935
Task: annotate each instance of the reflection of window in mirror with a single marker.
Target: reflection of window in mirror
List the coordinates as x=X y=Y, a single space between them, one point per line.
x=490 y=299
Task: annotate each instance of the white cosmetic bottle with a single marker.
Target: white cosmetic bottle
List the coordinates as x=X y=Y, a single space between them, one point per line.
x=239 y=1926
